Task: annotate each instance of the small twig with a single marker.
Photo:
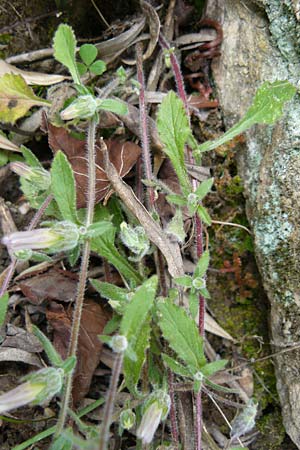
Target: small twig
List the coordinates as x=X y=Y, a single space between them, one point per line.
x=219 y=222
x=100 y=14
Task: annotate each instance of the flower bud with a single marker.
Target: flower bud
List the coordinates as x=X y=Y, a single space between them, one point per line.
x=127 y=419
x=135 y=239
x=40 y=388
x=82 y=107
x=38 y=176
x=119 y=343
x=60 y=237
x=156 y=409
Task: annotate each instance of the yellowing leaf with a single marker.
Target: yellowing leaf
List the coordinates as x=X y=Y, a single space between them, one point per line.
x=16 y=98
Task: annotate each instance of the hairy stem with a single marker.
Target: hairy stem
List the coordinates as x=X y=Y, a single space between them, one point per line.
x=199 y=239
x=109 y=404
x=82 y=276
x=143 y=121
x=35 y=220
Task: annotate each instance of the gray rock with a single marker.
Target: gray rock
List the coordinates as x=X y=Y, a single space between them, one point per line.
x=261 y=42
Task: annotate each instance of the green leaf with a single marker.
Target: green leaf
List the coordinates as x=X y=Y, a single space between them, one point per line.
x=175 y=366
x=178 y=200
x=63 y=186
x=132 y=369
x=182 y=334
x=98 y=228
x=217 y=387
x=88 y=53
x=3 y=307
x=3 y=157
x=173 y=128
x=185 y=281
x=204 y=292
x=213 y=367
x=98 y=67
x=202 y=265
x=16 y=98
x=138 y=308
x=73 y=255
x=52 y=354
x=30 y=157
x=204 y=188
x=176 y=227
x=112 y=105
x=82 y=69
x=203 y=214
x=105 y=247
x=266 y=108
x=110 y=291
x=64 y=45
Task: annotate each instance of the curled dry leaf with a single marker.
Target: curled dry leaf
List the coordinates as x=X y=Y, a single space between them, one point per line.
x=18 y=338
x=35 y=78
x=18 y=355
x=93 y=321
x=122 y=155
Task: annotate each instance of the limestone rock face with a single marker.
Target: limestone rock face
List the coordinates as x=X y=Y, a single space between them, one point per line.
x=261 y=42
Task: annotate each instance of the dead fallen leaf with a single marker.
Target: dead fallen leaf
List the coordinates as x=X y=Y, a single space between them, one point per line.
x=8 y=145
x=18 y=338
x=93 y=320
x=51 y=285
x=35 y=78
x=122 y=155
x=18 y=355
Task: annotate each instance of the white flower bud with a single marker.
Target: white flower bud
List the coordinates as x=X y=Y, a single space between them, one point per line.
x=62 y=236
x=40 y=388
x=156 y=409
x=82 y=107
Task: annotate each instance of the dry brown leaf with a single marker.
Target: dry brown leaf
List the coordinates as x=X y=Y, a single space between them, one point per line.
x=35 y=78
x=52 y=285
x=122 y=155
x=18 y=338
x=18 y=355
x=93 y=321
x=213 y=327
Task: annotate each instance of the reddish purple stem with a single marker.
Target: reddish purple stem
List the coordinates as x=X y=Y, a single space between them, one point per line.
x=199 y=240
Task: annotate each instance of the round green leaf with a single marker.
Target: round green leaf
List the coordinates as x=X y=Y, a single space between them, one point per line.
x=88 y=53
x=82 y=69
x=98 y=67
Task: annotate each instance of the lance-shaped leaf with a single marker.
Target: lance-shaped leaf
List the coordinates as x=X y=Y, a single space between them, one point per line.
x=63 y=187
x=8 y=145
x=174 y=130
x=266 y=108
x=132 y=369
x=138 y=309
x=3 y=307
x=16 y=98
x=122 y=155
x=105 y=247
x=182 y=334
x=64 y=45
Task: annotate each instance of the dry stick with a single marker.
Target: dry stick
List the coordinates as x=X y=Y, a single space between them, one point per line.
x=199 y=231
x=35 y=220
x=154 y=232
x=82 y=275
